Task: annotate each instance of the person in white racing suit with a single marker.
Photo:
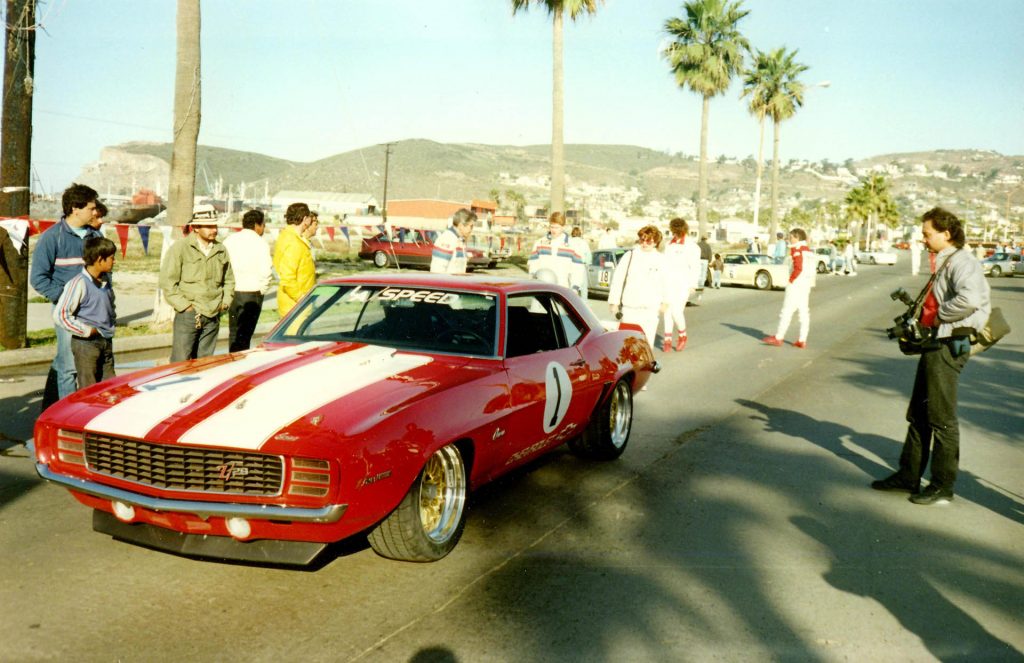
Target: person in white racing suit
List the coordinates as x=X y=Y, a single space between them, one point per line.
x=556 y=252
x=682 y=265
x=798 y=290
x=639 y=288
x=449 y=254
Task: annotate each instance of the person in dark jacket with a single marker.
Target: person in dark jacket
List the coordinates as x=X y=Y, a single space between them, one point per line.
x=56 y=259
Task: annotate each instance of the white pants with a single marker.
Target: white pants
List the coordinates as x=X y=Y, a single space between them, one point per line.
x=796 y=301
x=675 y=318
x=647 y=318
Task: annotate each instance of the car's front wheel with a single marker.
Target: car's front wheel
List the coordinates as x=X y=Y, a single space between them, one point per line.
x=607 y=434
x=872 y=261
x=763 y=280
x=822 y=268
x=997 y=271
x=380 y=259
x=428 y=522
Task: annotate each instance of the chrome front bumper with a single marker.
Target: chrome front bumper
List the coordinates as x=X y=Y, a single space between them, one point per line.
x=328 y=514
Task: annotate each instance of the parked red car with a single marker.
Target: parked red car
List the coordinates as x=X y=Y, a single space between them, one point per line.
x=373 y=408
x=413 y=249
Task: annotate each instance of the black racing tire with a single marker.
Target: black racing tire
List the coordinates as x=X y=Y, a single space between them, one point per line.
x=997 y=271
x=763 y=280
x=607 y=434
x=380 y=259
x=429 y=520
x=871 y=260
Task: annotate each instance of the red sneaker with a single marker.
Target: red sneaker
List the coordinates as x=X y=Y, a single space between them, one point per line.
x=681 y=343
x=800 y=344
x=666 y=345
x=771 y=340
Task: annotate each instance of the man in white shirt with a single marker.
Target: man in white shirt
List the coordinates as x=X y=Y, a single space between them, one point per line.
x=253 y=268
x=554 y=252
x=449 y=253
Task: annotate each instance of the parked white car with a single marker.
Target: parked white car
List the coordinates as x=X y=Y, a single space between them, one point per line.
x=756 y=269
x=876 y=257
x=1001 y=264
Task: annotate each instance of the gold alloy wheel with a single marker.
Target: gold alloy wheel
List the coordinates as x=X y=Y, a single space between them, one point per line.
x=442 y=494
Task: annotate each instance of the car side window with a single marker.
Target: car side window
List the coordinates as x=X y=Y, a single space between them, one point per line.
x=572 y=327
x=532 y=326
x=733 y=260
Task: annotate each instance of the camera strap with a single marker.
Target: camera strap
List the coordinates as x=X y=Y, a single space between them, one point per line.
x=919 y=302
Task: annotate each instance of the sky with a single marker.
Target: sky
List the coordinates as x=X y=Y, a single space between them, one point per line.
x=306 y=79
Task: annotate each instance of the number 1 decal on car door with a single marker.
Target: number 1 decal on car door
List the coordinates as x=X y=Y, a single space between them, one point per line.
x=557 y=394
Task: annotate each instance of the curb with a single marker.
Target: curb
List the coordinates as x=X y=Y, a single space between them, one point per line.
x=44 y=354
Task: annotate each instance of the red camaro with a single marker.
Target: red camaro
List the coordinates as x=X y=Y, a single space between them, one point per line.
x=374 y=407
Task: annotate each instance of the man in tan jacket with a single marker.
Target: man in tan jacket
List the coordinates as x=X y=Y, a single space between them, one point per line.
x=197 y=281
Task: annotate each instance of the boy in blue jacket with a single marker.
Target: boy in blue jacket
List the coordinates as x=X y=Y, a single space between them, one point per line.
x=86 y=310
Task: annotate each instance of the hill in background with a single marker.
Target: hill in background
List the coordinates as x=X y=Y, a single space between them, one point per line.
x=968 y=180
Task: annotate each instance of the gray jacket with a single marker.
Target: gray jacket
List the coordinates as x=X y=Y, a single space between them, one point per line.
x=961 y=290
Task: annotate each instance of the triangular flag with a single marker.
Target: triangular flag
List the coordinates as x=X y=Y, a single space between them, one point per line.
x=144 y=234
x=344 y=231
x=330 y=232
x=45 y=225
x=122 y=234
x=401 y=235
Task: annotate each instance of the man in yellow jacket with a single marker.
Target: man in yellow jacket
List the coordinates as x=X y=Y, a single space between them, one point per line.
x=293 y=257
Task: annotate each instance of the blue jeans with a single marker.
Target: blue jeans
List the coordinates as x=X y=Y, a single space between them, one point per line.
x=190 y=341
x=64 y=363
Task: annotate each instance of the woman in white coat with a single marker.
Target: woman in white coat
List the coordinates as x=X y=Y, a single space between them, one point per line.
x=639 y=285
x=682 y=265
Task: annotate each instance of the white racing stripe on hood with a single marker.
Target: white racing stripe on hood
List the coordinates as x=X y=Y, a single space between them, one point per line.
x=263 y=411
x=159 y=399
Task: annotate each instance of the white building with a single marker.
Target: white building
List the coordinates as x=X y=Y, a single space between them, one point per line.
x=327 y=203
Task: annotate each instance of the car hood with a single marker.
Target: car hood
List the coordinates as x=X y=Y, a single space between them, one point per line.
x=242 y=400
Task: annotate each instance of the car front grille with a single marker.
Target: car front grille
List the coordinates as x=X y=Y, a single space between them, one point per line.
x=184 y=468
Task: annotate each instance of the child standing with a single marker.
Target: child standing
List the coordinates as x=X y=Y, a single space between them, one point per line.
x=86 y=309
x=717 y=266
x=798 y=291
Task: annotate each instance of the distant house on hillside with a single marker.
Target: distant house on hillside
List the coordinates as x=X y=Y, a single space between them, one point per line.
x=328 y=202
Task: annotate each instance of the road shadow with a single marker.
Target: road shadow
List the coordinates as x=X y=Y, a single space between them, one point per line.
x=747 y=331
x=911 y=586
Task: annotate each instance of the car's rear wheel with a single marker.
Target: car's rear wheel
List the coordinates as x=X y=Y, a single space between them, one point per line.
x=997 y=271
x=428 y=522
x=871 y=260
x=380 y=259
x=763 y=280
x=822 y=267
x=607 y=434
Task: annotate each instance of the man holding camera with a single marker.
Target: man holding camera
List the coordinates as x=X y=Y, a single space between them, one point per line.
x=956 y=305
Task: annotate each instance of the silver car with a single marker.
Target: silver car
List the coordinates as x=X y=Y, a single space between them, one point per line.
x=1002 y=264
x=600 y=270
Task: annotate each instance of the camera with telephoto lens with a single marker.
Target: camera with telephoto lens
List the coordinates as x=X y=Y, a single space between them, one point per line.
x=907 y=328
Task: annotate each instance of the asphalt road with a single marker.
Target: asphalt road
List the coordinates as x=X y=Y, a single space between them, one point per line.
x=737 y=526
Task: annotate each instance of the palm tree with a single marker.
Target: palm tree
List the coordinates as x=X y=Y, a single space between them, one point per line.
x=788 y=96
x=872 y=202
x=707 y=50
x=557 y=8
x=774 y=92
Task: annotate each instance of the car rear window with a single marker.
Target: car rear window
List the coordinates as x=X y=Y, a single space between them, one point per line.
x=419 y=319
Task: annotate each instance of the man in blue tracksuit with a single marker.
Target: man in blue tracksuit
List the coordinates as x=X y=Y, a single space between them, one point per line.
x=56 y=259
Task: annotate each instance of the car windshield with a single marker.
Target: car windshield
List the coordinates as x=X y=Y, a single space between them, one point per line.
x=409 y=318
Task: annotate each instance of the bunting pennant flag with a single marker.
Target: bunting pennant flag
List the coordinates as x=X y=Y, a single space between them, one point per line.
x=45 y=225
x=33 y=227
x=502 y=245
x=122 y=234
x=401 y=235
x=344 y=231
x=144 y=234
x=330 y=232
x=432 y=236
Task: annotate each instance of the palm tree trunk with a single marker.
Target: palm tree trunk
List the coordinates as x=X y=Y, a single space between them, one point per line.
x=557 y=138
x=760 y=172
x=186 y=129
x=775 y=184
x=702 y=172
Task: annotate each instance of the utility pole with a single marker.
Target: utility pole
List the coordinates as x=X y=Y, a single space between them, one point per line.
x=15 y=167
x=384 y=203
